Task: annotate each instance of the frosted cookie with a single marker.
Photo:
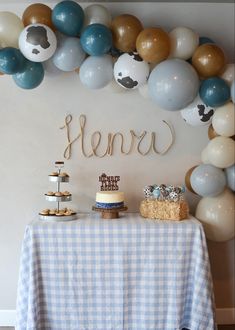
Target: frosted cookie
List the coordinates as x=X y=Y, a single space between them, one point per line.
x=54 y=174
x=50 y=193
x=66 y=193
x=58 y=194
x=45 y=212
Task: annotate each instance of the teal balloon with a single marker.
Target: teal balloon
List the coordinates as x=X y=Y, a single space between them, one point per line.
x=205 y=40
x=230 y=175
x=173 y=84
x=68 y=18
x=11 y=60
x=96 y=39
x=214 y=92
x=208 y=180
x=31 y=77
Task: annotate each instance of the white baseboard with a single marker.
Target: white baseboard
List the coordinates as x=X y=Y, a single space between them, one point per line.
x=223 y=316
x=7 y=318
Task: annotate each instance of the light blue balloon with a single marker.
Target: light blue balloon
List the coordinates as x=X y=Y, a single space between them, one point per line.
x=173 y=84
x=96 y=39
x=208 y=180
x=69 y=54
x=11 y=60
x=230 y=175
x=233 y=91
x=96 y=71
x=214 y=92
x=68 y=17
x=31 y=77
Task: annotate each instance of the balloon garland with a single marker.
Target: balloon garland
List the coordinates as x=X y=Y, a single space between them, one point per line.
x=179 y=71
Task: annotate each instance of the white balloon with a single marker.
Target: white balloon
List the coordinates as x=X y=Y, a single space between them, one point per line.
x=197 y=113
x=184 y=42
x=10 y=28
x=130 y=71
x=223 y=120
x=229 y=73
x=221 y=151
x=204 y=156
x=97 y=14
x=217 y=216
x=37 y=42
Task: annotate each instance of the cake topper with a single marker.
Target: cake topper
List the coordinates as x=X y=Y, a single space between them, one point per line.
x=108 y=182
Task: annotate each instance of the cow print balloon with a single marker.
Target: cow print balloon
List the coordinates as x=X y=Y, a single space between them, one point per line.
x=130 y=71
x=197 y=113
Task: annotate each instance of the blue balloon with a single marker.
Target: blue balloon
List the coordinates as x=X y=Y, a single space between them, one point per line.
x=205 y=40
x=96 y=39
x=68 y=17
x=173 y=84
x=214 y=92
x=96 y=71
x=11 y=60
x=31 y=77
x=230 y=175
x=233 y=91
x=208 y=180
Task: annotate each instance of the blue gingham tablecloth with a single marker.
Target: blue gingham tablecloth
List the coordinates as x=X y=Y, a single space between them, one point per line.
x=122 y=274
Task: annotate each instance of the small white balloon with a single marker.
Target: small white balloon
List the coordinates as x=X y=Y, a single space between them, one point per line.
x=197 y=113
x=223 y=120
x=184 y=42
x=217 y=216
x=37 y=42
x=221 y=152
x=130 y=71
x=97 y=14
x=229 y=73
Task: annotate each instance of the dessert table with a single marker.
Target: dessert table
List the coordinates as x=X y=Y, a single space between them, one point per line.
x=129 y=273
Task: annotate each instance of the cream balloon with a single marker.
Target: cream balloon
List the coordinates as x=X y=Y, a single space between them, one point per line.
x=229 y=73
x=184 y=42
x=223 y=120
x=204 y=156
x=97 y=14
x=221 y=151
x=10 y=28
x=217 y=216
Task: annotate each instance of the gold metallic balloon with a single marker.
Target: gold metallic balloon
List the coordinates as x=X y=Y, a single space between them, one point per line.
x=187 y=179
x=1 y=74
x=153 y=45
x=38 y=13
x=209 y=60
x=125 y=29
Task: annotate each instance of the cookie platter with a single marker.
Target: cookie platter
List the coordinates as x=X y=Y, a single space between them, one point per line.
x=58 y=196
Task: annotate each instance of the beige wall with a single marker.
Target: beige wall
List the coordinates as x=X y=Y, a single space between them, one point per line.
x=31 y=141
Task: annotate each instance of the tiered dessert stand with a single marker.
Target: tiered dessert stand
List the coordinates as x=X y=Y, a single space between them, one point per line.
x=59 y=178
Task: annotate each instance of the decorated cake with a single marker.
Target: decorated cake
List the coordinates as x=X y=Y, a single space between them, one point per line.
x=109 y=199
x=164 y=203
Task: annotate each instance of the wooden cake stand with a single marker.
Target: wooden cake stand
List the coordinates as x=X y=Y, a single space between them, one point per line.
x=109 y=213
